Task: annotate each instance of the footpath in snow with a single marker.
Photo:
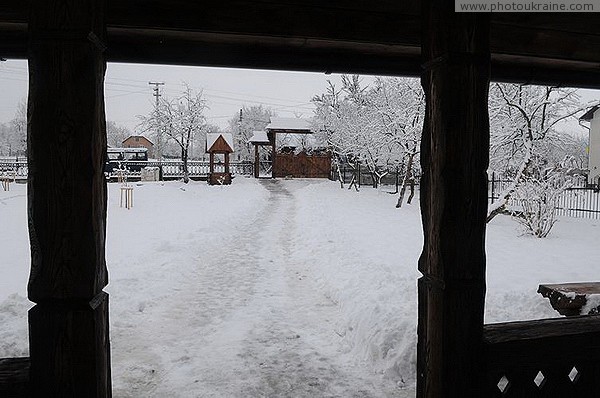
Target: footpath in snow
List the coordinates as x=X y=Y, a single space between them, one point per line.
x=230 y=314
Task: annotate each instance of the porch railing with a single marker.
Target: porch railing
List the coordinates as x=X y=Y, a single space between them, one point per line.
x=551 y=358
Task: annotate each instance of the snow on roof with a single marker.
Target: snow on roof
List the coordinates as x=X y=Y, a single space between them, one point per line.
x=259 y=137
x=138 y=136
x=289 y=123
x=212 y=137
x=111 y=149
x=589 y=115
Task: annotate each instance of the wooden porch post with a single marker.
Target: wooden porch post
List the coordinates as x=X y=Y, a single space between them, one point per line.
x=454 y=158
x=226 y=162
x=68 y=326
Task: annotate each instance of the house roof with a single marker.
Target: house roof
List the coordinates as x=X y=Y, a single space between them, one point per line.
x=289 y=125
x=259 y=137
x=589 y=115
x=211 y=140
x=138 y=136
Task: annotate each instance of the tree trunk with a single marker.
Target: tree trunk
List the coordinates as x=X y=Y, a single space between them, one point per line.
x=405 y=180
x=339 y=172
x=454 y=159
x=499 y=206
x=412 y=191
x=184 y=159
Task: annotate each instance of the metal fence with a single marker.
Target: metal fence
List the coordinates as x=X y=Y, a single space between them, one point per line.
x=168 y=170
x=389 y=182
x=580 y=200
x=15 y=169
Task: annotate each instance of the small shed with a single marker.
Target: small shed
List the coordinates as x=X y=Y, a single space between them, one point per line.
x=217 y=145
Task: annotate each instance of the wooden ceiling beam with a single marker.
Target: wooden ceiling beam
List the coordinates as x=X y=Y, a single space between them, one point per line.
x=349 y=36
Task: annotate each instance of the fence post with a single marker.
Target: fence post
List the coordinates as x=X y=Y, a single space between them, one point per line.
x=493 y=185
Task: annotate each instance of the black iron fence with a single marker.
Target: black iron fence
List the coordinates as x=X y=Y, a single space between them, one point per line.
x=390 y=181
x=14 y=169
x=580 y=200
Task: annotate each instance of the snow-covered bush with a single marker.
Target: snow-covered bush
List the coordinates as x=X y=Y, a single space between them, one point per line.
x=537 y=198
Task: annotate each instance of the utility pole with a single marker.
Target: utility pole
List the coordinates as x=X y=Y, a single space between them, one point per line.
x=156 y=94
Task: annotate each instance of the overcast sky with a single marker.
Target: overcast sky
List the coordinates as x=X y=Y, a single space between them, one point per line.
x=128 y=93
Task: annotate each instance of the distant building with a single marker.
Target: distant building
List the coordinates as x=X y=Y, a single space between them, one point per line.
x=593 y=117
x=139 y=141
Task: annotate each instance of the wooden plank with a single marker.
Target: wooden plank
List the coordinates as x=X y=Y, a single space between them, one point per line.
x=519 y=350
x=507 y=332
x=325 y=37
x=454 y=159
x=14 y=377
x=70 y=349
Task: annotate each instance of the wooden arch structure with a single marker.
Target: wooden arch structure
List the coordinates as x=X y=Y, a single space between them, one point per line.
x=67 y=44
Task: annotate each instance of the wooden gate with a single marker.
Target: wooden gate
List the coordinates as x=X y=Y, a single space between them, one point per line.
x=302 y=165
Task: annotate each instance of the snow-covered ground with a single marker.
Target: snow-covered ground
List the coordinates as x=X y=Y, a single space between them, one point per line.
x=278 y=288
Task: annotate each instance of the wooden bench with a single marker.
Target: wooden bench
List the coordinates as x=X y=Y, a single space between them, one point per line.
x=571 y=299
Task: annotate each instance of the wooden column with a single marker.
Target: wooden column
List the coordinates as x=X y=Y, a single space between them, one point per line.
x=454 y=158
x=256 y=161
x=273 y=154
x=226 y=162
x=68 y=326
x=211 y=162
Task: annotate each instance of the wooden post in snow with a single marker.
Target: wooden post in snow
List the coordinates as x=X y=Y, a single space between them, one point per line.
x=68 y=326
x=256 y=161
x=454 y=158
x=273 y=154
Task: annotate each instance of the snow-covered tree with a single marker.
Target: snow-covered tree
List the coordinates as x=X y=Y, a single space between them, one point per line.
x=181 y=119
x=13 y=136
x=116 y=134
x=377 y=126
x=242 y=125
x=400 y=106
x=5 y=140
x=524 y=134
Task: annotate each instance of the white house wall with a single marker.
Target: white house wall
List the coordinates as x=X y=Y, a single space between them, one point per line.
x=594 y=148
